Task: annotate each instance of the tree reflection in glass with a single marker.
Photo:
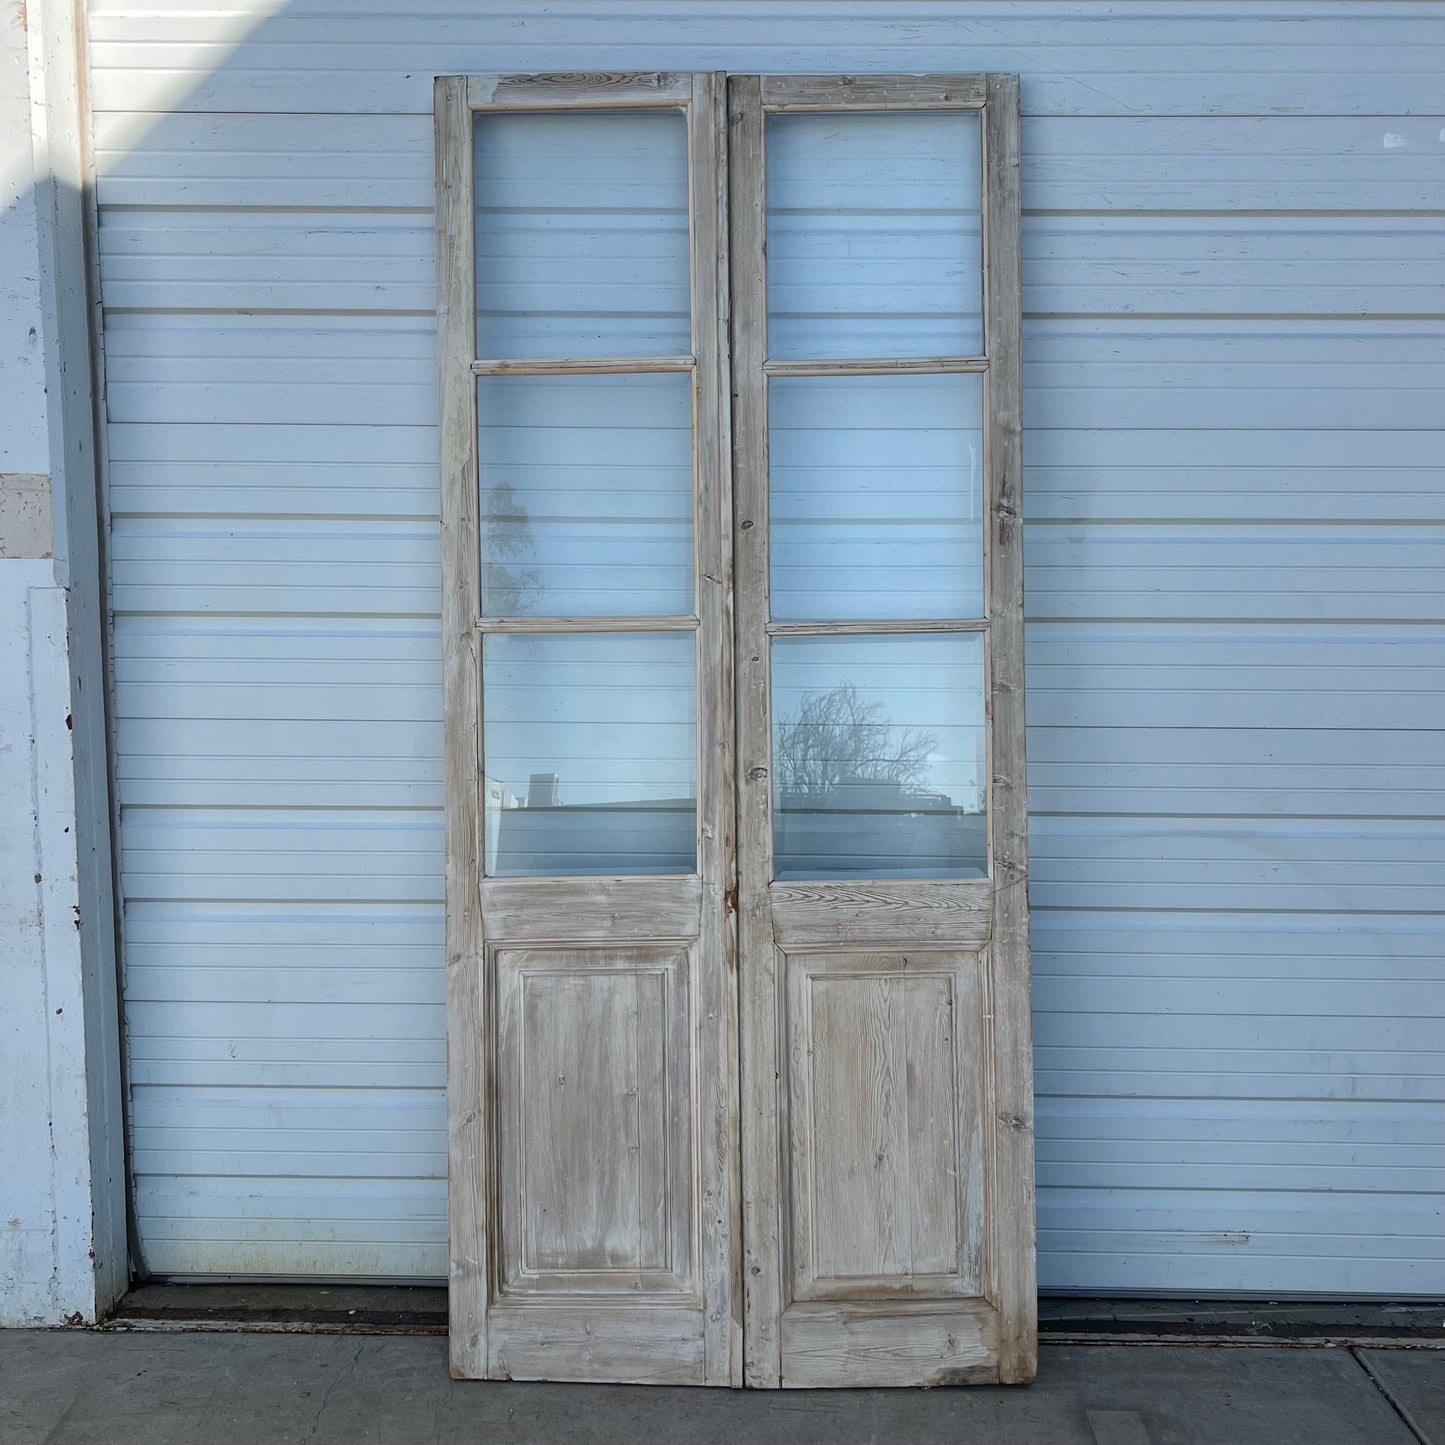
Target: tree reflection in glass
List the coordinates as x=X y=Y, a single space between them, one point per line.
x=878 y=749
x=508 y=586
x=586 y=495
x=838 y=739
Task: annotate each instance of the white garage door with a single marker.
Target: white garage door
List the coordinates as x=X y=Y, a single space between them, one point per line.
x=1233 y=363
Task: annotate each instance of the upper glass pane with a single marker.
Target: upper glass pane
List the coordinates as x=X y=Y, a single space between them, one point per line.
x=874 y=234
x=581 y=233
x=590 y=753
x=875 y=496
x=879 y=757
x=586 y=495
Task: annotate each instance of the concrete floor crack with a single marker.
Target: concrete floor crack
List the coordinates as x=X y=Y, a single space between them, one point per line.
x=331 y=1389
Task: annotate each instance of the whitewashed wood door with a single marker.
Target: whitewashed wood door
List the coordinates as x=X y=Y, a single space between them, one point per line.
x=765 y=1043
x=592 y=1055
x=887 y=1087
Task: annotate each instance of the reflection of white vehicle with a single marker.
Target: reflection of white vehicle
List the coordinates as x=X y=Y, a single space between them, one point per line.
x=867 y=827
x=650 y=835
x=860 y=828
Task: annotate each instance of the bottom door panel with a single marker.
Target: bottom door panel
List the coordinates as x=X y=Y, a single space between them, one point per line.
x=593 y=1116
x=886 y=1162
x=885 y=1169
x=596 y=1257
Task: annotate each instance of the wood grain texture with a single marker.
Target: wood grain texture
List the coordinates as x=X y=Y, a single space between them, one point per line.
x=878 y=628
x=585 y=1340
x=720 y=1200
x=886 y=366
x=895 y=912
x=876 y=1061
x=884 y=1080
x=594 y=1114
x=554 y=910
x=618 y=1162
x=579 y=90
x=1012 y=1268
x=872 y=92
x=884 y=1055
x=468 y=1089
x=760 y=1006
x=589 y=624
x=858 y=1345
x=583 y=366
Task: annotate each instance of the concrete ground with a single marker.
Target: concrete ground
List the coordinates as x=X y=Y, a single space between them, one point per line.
x=215 y=1387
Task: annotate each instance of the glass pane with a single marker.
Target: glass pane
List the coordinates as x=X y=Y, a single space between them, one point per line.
x=586 y=495
x=591 y=763
x=581 y=233
x=878 y=757
x=874 y=235
x=876 y=496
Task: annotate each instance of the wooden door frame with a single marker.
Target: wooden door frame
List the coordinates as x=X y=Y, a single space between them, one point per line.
x=741 y=1226
x=481 y=911
x=991 y=916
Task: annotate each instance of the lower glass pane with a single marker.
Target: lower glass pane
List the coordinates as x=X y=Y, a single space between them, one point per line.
x=879 y=763
x=589 y=743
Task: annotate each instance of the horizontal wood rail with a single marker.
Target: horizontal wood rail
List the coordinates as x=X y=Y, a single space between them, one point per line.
x=878 y=366
x=863 y=628
x=583 y=365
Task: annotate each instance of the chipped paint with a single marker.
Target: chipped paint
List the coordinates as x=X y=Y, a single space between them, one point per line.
x=45 y=1187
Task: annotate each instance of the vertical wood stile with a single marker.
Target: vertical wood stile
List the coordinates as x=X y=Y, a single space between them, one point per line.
x=716 y=1039
x=761 y=1007
x=468 y=1109
x=1011 y=1250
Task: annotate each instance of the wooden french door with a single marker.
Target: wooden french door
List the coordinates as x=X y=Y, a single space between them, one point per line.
x=738 y=1053
x=887 y=1087
x=591 y=1017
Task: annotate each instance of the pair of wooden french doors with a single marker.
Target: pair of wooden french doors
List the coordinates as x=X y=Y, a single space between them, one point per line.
x=739 y=1084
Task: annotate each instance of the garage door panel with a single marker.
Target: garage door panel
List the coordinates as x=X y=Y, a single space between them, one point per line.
x=1232 y=484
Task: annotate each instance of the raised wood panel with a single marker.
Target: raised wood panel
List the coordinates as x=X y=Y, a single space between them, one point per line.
x=884 y=1082
x=593 y=1099
x=863 y=1345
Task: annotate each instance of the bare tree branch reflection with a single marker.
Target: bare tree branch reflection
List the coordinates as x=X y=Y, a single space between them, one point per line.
x=838 y=738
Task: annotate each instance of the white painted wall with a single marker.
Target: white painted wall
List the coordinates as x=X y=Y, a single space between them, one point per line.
x=1234 y=492
x=62 y=1253
x=46 y=1236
